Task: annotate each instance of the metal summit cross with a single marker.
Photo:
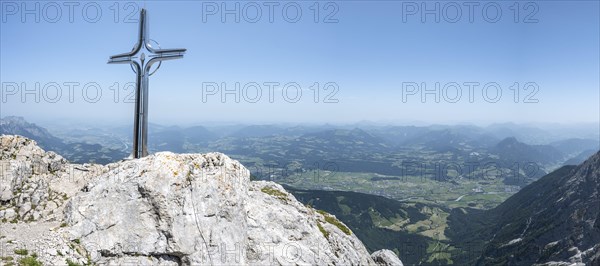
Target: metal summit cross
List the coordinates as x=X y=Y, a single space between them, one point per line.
x=141 y=58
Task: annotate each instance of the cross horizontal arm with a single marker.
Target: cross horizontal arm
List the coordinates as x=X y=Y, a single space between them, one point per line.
x=162 y=58
x=124 y=55
x=127 y=57
x=121 y=60
x=169 y=51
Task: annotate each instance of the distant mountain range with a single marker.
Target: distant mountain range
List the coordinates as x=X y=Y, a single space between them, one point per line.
x=372 y=149
x=512 y=150
x=78 y=152
x=574 y=146
x=18 y=126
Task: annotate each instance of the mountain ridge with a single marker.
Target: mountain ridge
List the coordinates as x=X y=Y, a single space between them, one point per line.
x=554 y=220
x=74 y=151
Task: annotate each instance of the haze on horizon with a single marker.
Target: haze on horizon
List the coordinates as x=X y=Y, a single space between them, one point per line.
x=360 y=64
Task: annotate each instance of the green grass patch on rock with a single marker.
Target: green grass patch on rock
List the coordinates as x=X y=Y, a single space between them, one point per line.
x=323 y=231
x=332 y=220
x=29 y=261
x=22 y=252
x=274 y=192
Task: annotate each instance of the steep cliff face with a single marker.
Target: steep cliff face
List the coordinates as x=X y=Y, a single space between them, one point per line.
x=555 y=220
x=165 y=209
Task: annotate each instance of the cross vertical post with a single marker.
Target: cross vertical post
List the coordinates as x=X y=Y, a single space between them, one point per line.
x=141 y=66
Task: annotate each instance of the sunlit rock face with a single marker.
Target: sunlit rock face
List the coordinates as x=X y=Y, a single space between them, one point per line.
x=164 y=209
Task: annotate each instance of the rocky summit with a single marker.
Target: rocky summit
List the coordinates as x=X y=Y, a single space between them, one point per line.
x=164 y=209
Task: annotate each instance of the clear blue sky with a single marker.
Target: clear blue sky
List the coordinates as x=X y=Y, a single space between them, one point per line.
x=370 y=50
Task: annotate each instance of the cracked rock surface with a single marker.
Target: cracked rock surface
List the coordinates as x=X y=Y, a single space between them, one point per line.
x=164 y=209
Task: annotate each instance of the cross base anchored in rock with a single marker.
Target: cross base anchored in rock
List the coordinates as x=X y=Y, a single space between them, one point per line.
x=141 y=58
